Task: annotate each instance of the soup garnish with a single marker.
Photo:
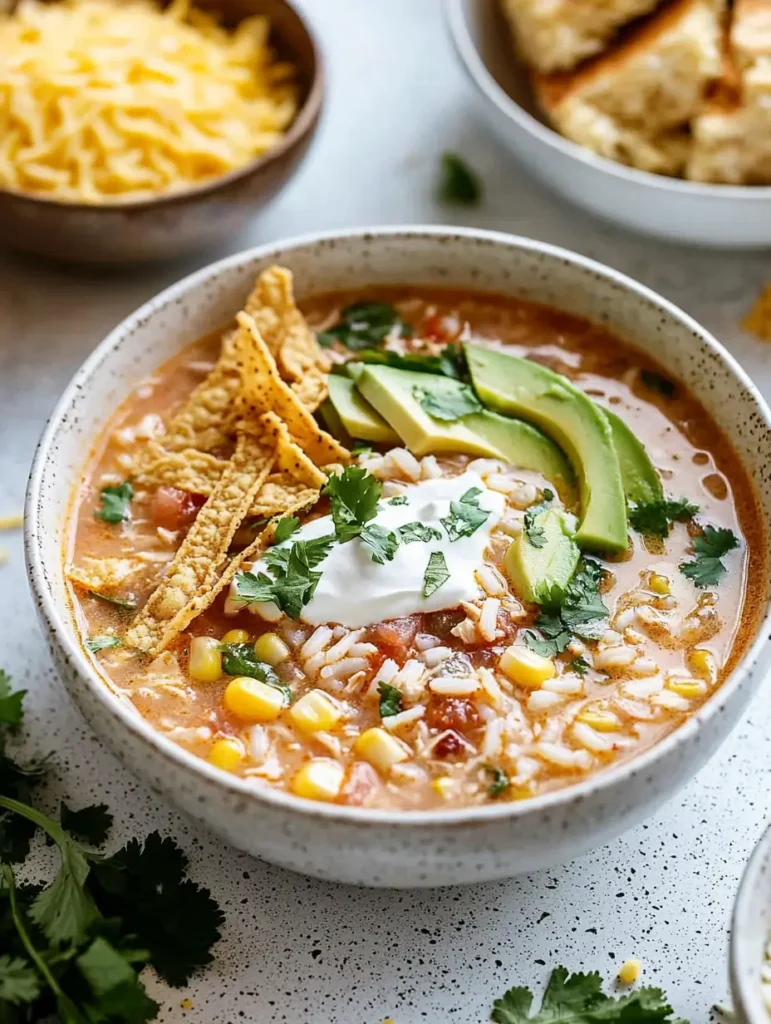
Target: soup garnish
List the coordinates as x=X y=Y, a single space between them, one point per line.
x=509 y=558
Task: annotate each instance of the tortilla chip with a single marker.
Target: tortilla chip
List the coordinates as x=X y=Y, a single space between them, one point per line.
x=188 y=585
x=264 y=391
x=103 y=575
x=758 y=320
x=188 y=470
x=293 y=345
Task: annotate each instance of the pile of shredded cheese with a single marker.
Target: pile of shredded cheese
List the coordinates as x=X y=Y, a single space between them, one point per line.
x=107 y=100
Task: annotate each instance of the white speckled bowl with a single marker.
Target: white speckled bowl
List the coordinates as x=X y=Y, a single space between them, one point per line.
x=720 y=216
x=750 y=931
x=369 y=847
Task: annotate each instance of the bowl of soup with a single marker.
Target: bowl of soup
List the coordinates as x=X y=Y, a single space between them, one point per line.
x=750 y=956
x=407 y=557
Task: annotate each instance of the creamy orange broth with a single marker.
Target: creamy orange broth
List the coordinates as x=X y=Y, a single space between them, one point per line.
x=695 y=461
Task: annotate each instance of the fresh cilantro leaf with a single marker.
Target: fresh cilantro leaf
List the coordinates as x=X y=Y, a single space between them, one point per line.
x=116 y=991
x=102 y=642
x=119 y=602
x=579 y=665
x=654 y=518
x=535 y=534
x=499 y=780
x=175 y=920
x=579 y=999
x=400 y=499
x=115 y=503
x=19 y=982
x=18 y=781
x=412 y=532
x=295 y=582
x=240 y=660
x=450 y=363
x=365 y=325
x=353 y=498
x=361 y=448
x=285 y=528
x=89 y=825
x=381 y=543
x=277 y=559
x=11 y=712
x=436 y=574
x=448 y=406
x=656 y=382
x=453 y=362
x=465 y=516
x=706 y=569
x=577 y=611
x=254 y=587
x=390 y=700
x=458 y=184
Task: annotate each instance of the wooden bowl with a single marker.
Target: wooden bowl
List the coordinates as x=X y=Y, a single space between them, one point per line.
x=169 y=226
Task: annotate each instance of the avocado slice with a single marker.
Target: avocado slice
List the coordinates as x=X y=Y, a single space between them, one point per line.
x=521 y=387
x=525 y=446
x=642 y=484
x=392 y=392
x=356 y=415
x=537 y=572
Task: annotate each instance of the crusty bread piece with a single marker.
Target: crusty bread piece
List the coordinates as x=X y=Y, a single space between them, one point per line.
x=633 y=103
x=732 y=135
x=556 y=35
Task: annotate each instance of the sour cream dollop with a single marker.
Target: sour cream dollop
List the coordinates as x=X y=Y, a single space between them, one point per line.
x=355 y=591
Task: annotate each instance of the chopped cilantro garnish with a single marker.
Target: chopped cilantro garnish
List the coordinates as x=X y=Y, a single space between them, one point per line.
x=361 y=448
x=239 y=659
x=380 y=543
x=400 y=499
x=102 y=642
x=655 y=517
x=499 y=780
x=119 y=602
x=656 y=382
x=436 y=574
x=390 y=700
x=365 y=325
x=89 y=825
x=535 y=534
x=458 y=184
x=115 y=503
x=577 y=611
x=579 y=665
x=353 y=498
x=465 y=516
x=448 y=406
x=295 y=581
x=579 y=999
x=412 y=532
x=285 y=527
x=706 y=568
x=450 y=363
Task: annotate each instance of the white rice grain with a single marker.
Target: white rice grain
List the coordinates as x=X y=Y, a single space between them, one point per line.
x=493 y=741
x=453 y=686
x=587 y=737
x=671 y=701
x=488 y=620
x=491 y=581
x=435 y=656
x=341 y=648
x=491 y=687
x=403 y=462
x=564 y=757
x=316 y=642
x=344 y=668
x=564 y=684
x=414 y=714
x=542 y=700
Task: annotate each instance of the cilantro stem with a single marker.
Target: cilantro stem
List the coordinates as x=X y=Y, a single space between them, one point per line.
x=21 y=930
x=56 y=832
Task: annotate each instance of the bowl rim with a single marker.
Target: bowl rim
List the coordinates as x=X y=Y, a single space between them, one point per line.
x=59 y=621
x=485 y=82
x=302 y=124
x=747 y=997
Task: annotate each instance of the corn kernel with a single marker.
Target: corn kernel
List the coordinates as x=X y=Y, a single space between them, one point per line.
x=443 y=786
x=630 y=972
x=526 y=668
x=523 y=792
x=598 y=718
x=315 y=712
x=252 y=700
x=226 y=754
x=205 y=665
x=382 y=750
x=659 y=584
x=271 y=649
x=319 y=779
x=702 y=664
x=688 y=687
x=236 y=636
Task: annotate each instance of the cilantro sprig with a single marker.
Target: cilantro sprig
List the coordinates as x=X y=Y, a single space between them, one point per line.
x=448 y=406
x=655 y=518
x=451 y=362
x=415 y=532
x=436 y=574
x=353 y=499
x=465 y=516
x=102 y=642
x=365 y=325
x=579 y=999
x=380 y=543
x=239 y=659
x=706 y=568
x=116 y=501
x=391 y=699
x=535 y=534
x=295 y=579
x=578 y=611
x=499 y=780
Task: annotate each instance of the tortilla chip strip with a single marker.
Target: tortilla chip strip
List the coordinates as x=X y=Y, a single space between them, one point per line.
x=264 y=391
x=189 y=470
x=189 y=583
x=293 y=345
x=103 y=575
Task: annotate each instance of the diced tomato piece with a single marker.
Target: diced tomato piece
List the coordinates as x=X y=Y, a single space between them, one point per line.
x=441 y=624
x=396 y=633
x=450 y=745
x=172 y=508
x=456 y=713
x=441 y=327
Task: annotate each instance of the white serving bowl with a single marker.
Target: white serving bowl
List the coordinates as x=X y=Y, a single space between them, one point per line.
x=722 y=216
x=750 y=932
x=371 y=847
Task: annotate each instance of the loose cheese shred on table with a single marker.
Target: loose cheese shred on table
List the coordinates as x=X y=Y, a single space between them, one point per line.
x=758 y=320
x=107 y=100
x=11 y=522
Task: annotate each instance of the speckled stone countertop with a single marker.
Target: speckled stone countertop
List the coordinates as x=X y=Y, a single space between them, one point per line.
x=296 y=950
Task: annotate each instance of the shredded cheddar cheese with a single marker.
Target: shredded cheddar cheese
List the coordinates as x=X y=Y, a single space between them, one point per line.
x=758 y=320
x=107 y=100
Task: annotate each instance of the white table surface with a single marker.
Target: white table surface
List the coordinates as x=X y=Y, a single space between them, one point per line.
x=296 y=950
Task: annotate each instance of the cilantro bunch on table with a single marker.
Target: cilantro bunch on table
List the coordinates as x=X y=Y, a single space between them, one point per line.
x=74 y=948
